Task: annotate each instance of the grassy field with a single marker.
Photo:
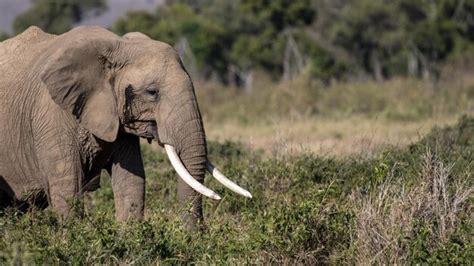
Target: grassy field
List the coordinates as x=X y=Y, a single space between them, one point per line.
x=359 y=118
x=356 y=135
x=365 y=173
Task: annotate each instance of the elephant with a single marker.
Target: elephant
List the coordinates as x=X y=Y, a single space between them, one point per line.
x=74 y=104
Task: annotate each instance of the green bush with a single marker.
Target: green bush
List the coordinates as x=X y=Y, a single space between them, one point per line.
x=3 y=36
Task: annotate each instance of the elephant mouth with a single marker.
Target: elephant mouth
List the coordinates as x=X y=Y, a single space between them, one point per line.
x=146 y=129
x=152 y=133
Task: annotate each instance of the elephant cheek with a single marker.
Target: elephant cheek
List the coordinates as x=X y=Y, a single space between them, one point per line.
x=164 y=135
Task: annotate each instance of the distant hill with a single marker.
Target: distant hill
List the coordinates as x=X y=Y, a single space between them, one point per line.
x=9 y=9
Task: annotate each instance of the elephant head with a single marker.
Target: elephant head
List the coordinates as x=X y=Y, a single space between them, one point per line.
x=134 y=85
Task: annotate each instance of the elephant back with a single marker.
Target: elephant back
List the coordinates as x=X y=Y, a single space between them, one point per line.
x=20 y=51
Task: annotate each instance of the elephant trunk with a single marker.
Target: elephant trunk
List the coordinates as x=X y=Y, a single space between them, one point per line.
x=184 y=139
x=183 y=130
x=193 y=153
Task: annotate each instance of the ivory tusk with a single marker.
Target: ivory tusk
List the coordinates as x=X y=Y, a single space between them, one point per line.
x=226 y=182
x=186 y=176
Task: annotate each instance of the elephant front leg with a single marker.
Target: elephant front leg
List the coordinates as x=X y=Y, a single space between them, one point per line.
x=129 y=196
x=191 y=201
x=64 y=188
x=128 y=180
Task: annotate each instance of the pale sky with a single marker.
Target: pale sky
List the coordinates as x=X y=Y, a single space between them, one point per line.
x=9 y=9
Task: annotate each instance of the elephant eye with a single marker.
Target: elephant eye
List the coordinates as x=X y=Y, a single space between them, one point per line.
x=152 y=91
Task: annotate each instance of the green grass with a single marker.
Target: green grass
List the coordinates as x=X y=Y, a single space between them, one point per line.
x=306 y=209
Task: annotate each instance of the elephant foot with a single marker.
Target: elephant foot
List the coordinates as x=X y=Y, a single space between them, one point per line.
x=193 y=221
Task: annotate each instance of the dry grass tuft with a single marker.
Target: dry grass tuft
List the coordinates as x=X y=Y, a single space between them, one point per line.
x=443 y=206
x=388 y=219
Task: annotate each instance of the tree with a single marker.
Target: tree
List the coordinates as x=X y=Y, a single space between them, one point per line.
x=337 y=39
x=57 y=16
x=370 y=32
x=434 y=30
x=399 y=37
x=262 y=37
x=171 y=23
x=225 y=35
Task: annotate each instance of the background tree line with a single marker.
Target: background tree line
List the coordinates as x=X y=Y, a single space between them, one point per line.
x=332 y=40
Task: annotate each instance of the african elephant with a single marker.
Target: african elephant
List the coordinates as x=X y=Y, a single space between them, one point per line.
x=74 y=104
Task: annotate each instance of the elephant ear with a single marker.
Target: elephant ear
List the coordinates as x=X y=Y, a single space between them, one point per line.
x=79 y=79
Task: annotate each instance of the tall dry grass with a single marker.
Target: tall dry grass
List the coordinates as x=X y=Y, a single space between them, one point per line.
x=347 y=118
x=397 y=99
x=393 y=215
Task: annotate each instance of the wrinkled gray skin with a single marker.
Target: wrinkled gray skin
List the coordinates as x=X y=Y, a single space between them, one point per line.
x=76 y=103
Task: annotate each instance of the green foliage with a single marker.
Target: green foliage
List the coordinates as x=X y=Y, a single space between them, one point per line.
x=56 y=16
x=280 y=14
x=261 y=38
x=169 y=24
x=338 y=39
x=451 y=144
x=367 y=29
x=384 y=36
x=252 y=38
x=322 y=64
x=3 y=36
x=305 y=210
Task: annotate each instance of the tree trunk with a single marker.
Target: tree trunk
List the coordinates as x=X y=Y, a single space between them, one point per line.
x=412 y=65
x=376 y=66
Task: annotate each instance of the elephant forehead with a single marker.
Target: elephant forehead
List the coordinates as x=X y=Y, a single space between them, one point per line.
x=148 y=70
x=151 y=51
x=157 y=69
